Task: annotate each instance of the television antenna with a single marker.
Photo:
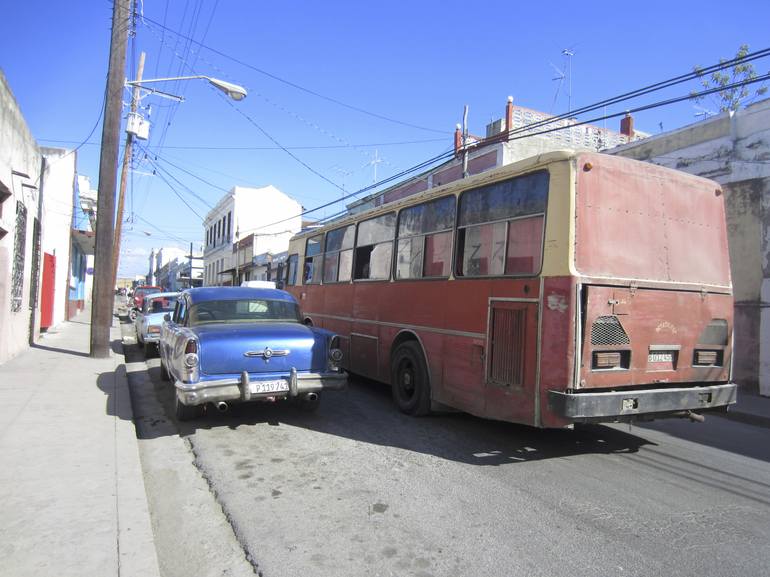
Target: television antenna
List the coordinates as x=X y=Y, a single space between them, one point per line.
x=568 y=54
x=703 y=112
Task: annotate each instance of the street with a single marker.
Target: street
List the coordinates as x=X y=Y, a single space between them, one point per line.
x=359 y=489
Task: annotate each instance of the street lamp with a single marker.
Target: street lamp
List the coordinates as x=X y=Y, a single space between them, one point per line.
x=234 y=91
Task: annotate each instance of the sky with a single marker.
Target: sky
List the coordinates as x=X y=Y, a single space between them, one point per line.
x=341 y=93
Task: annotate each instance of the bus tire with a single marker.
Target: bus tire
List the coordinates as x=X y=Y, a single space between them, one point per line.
x=409 y=378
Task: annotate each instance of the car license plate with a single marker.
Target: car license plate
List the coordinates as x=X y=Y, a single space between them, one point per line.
x=257 y=387
x=660 y=358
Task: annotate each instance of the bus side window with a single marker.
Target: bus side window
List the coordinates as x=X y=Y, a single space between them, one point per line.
x=291 y=270
x=313 y=260
x=374 y=247
x=500 y=227
x=425 y=239
x=338 y=254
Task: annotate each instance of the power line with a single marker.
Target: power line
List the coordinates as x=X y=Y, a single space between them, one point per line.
x=251 y=148
x=658 y=104
x=648 y=89
x=528 y=127
x=292 y=84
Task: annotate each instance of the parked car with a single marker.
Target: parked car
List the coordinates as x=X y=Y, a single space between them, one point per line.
x=150 y=317
x=225 y=345
x=136 y=300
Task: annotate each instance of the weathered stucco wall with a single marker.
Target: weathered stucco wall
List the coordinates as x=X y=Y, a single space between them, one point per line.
x=734 y=150
x=20 y=163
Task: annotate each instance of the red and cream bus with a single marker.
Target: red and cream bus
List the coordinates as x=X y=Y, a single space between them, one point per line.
x=569 y=287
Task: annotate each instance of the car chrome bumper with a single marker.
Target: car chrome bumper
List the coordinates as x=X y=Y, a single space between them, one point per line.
x=237 y=388
x=640 y=404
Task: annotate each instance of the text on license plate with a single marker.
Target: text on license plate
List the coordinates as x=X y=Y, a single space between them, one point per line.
x=660 y=358
x=268 y=386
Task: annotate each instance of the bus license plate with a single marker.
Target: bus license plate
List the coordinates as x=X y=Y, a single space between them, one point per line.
x=660 y=358
x=257 y=387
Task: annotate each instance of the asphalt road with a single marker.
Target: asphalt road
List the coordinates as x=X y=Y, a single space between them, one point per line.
x=357 y=489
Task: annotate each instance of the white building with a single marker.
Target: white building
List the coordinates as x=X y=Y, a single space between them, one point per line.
x=38 y=196
x=161 y=261
x=266 y=216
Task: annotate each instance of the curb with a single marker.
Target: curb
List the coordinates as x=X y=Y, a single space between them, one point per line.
x=137 y=555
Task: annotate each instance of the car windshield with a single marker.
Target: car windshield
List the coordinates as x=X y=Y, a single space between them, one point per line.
x=159 y=305
x=243 y=311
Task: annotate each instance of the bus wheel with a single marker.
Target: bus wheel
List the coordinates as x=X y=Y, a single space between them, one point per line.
x=409 y=374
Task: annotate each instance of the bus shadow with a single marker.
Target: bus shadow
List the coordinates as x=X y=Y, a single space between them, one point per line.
x=366 y=414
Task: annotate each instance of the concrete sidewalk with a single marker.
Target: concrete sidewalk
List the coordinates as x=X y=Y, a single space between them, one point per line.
x=72 y=501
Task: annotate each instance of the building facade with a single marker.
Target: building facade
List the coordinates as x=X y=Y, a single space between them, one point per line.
x=507 y=140
x=246 y=222
x=38 y=200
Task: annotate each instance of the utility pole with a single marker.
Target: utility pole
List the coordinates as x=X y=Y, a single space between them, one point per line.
x=191 y=257
x=465 y=141
x=103 y=297
x=127 y=152
x=237 y=255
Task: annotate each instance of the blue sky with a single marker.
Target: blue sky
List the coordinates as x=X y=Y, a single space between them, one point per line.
x=414 y=63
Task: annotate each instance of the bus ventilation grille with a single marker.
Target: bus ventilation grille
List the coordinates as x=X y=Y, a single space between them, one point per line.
x=507 y=346
x=608 y=331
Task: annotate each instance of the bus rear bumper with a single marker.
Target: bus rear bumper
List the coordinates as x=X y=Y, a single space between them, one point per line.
x=641 y=404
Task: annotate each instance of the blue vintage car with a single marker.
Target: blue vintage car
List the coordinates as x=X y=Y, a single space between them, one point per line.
x=236 y=344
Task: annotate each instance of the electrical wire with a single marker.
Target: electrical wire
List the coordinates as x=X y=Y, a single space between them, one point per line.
x=292 y=84
x=446 y=155
x=160 y=171
x=648 y=89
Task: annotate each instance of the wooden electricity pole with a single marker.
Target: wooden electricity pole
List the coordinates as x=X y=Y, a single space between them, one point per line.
x=103 y=293
x=127 y=151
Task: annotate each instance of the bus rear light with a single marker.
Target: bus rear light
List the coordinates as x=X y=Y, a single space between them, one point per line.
x=706 y=358
x=609 y=360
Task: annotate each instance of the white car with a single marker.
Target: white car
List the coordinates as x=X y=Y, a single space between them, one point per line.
x=150 y=318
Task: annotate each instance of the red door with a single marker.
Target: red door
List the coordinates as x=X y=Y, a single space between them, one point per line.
x=47 y=296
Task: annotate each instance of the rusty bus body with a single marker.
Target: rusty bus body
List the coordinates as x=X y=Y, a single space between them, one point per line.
x=570 y=287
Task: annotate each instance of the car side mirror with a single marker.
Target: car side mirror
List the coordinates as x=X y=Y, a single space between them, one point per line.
x=167 y=317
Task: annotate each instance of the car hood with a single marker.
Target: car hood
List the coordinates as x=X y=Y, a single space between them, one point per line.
x=233 y=348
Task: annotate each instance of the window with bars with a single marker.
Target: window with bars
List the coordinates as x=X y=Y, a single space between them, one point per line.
x=19 y=252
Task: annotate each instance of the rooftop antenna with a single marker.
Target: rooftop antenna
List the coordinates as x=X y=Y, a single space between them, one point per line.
x=569 y=54
x=560 y=77
x=374 y=162
x=703 y=112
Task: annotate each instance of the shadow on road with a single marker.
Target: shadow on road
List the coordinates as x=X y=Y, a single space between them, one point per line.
x=365 y=413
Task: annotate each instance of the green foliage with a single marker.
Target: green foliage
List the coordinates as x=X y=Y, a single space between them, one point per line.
x=739 y=72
